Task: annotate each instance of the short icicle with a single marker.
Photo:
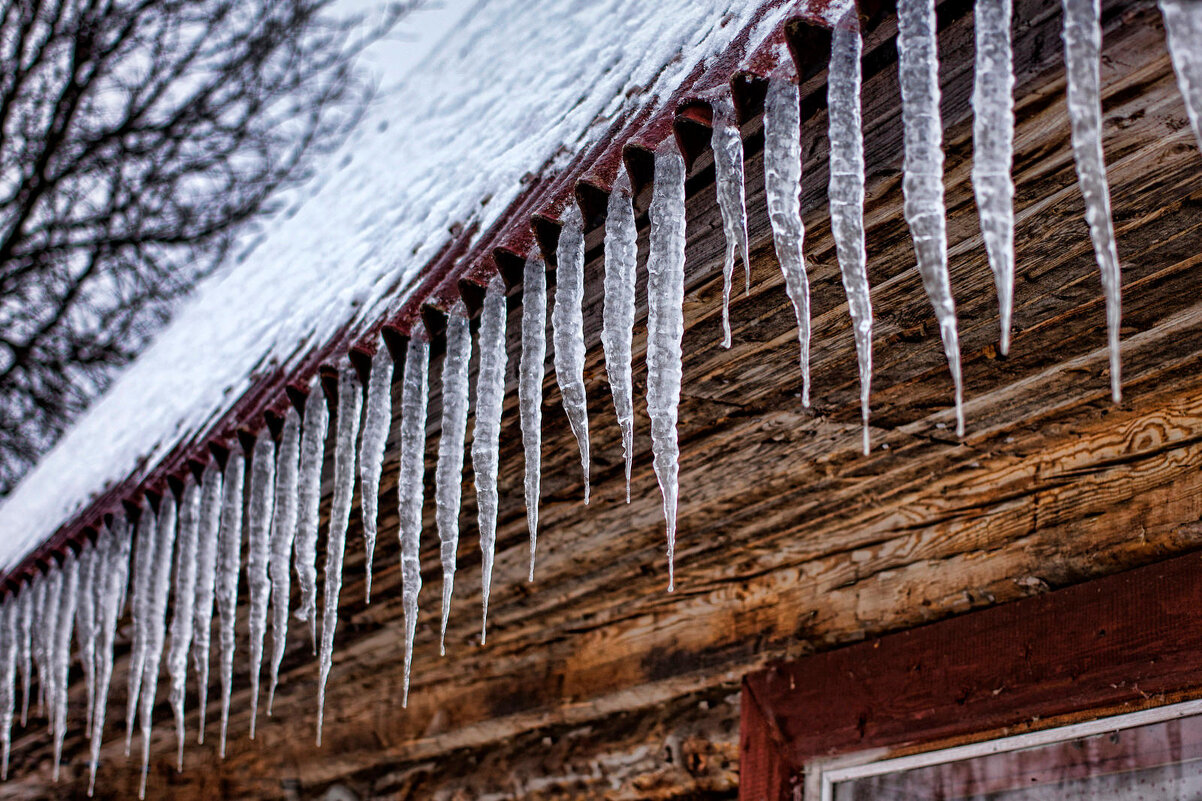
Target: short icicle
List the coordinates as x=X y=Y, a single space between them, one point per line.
x=727 y=144
x=346 y=433
x=846 y=193
x=782 y=186
x=411 y=484
x=229 y=563
x=448 y=474
x=993 y=149
x=490 y=395
x=206 y=583
x=1082 y=59
x=377 y=421
x=187 y=535
x=68 y=603
x=116 y=578
x=567 y=325
x=259 y=508
x=922 y=180
x=156 y=623
x=665 y=330
x=283 y=536
x=1183 y=27
x=8 y=680
x=144 y=557
x=313 y=455
x=530 y=387
x=617 y=325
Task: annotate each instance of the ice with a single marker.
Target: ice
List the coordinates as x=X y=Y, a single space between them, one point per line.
x=68 y=586
x=258 y=547
x=411 y=484
x=727 y=144
x=448 y=475
x=1082 y=59
x=47 y=629
x=85 y=627
x=617 y=326
x=8 y=679
x=156 y=623
x=143 y=565
x=313 y=455
x=846 y=193
x=206 y=581
x=782 y=187
x=1183 y=28
x=346 y=432
x=229 y=563
x=567 y=326
x=377 y=420
x=283 y=534
x=24 y=648
x=922 y=181
x=185 y=603
x=530 y=386
x=993 y=147
x=116 y=578
x=665 y=329
x=490 y=394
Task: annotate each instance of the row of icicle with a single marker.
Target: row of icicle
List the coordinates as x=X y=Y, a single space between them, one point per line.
x=194 y=543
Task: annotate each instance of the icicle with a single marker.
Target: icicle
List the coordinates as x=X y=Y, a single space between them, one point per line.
x=490 y=396
x=1183 y=27
x=350 y=406
x=1082 y=58
x=283 y=534
x=206 y=581
x=229 y=560
x=993 y=146
x=530 y=386
x=313 y=456
x=617 y=327
x=144 y=558
x=156 y=624
x=68 y=602
x=448 y=476
x=185 y=604
x=922 y=182
x=24 y=647
x=377 y=421
x=567 y=326
x=410 y=485
x=116 y=578
x=85 y=627
x=727 y=144
x=47 y=622
x=847 y=193
x=782 y=187
x=258 y=546
x=665 y=330
x=8 y=679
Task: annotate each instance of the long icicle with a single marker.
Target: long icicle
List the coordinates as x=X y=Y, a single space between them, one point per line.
x=24 y=647
x=206 y=584
x=8 y=680
x=116 y=578
x=143 y=564
x=617 y=327
x=846 y=193
x=187 y=533
x=283 y=535
x=530 y=387
x=377 y=421
x=313 y=454
x=85 y=627
x=782 y=186
x=1183 y=27
x=727 y=144
x=258 y=547
x=156 y=624
x=411 y=484
x=993 y=149
x=229 y=564
x=68 y=602
x=567 y=325
x=448 y=474
x=922 y=181
x=350 y=408
x=665 y=330
x=490 y=395
x=48 y=628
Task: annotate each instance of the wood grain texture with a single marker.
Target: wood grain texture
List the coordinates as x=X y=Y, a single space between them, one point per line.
x=597 y=683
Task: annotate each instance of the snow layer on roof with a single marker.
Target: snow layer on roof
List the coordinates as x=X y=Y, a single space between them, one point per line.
x=515 y=86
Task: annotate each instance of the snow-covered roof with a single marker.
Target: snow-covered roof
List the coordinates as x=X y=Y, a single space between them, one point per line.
x=517 y=106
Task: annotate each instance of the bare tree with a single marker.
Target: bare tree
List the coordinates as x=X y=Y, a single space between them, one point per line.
x=137 y=139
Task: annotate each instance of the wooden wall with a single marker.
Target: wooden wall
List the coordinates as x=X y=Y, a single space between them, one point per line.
x=595 y=681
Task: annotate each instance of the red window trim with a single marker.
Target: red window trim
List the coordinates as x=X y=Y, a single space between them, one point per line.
x=1112 y=645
